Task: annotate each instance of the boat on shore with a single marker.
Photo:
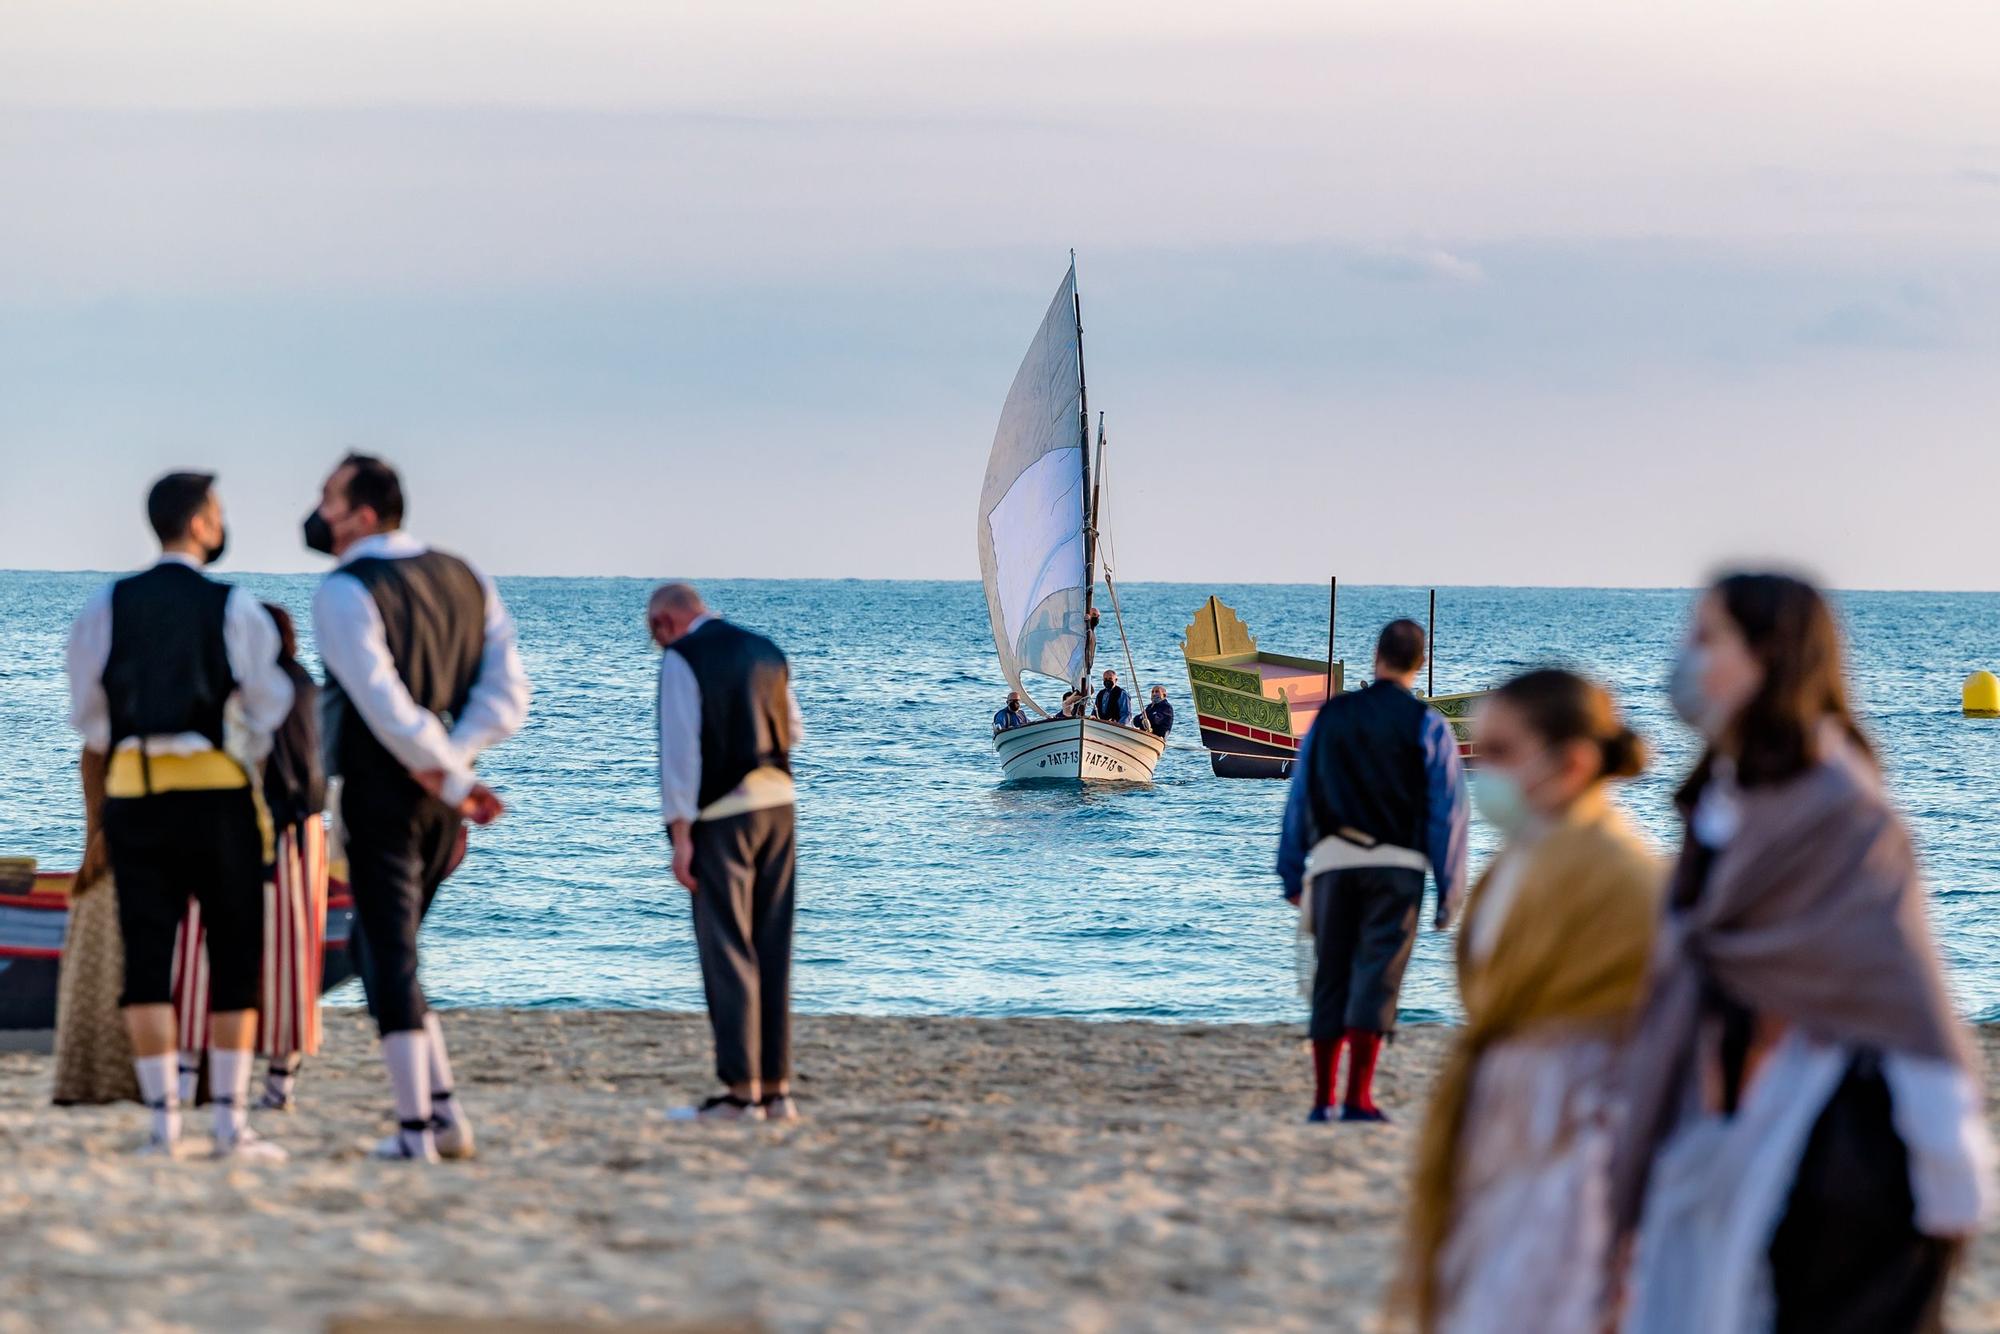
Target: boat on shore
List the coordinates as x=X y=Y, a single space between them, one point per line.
x=34 y=921
x=1040 y=535
x=1253 y=708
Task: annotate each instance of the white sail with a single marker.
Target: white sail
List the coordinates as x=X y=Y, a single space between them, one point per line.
x=1032 y=508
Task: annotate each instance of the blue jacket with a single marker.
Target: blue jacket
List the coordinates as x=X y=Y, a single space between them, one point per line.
x=1160 y=717
x=1117 y=708
x=1446 y=817
x=1008 y=719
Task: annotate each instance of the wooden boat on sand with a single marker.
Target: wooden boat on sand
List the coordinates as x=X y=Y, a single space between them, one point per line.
x=1254 y=707
x=34 y=916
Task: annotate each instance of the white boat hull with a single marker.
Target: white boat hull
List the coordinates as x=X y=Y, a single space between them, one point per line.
x=1079 y=750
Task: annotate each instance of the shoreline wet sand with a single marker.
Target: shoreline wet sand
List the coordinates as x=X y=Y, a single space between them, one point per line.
x=953 y=1173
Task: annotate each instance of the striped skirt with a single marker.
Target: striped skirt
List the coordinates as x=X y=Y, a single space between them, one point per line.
x=294 y=952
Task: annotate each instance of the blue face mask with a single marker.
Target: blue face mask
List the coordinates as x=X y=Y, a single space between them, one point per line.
x=1684 y=691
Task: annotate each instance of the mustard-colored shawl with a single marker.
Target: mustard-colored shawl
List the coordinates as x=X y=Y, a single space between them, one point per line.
x=1570 y=957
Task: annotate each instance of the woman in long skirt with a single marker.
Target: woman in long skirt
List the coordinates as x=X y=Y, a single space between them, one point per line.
x=294 y=795
x=1510 y=1228
x=93 y=1059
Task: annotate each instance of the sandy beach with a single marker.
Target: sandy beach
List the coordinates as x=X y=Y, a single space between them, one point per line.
x=1008 y=1174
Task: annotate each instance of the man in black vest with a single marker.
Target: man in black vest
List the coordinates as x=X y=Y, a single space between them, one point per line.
x=422 y=676
x=728 y=722
x=175 y=685
x=1114 y=702
x=1377 y=796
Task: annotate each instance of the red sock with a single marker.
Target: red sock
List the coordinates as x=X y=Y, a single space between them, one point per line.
x=1363 y=1047
x=1326 y=1055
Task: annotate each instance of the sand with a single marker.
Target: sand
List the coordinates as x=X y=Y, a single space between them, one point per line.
x=1017 y=1174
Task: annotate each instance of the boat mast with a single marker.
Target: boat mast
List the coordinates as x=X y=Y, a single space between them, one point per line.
x=1117 y=613
x=1090 y=501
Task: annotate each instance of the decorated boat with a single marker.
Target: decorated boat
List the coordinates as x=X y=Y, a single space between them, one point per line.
x=34 y=917
x=1041 y=540
x=1254 y=708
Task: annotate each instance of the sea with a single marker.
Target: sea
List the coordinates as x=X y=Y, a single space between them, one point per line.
x=926 y=886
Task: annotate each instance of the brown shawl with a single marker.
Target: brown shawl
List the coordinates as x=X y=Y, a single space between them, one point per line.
x=1814 y=914
x=1570 y=958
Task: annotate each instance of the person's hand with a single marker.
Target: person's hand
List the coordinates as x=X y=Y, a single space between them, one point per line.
x=1292 y=899
x=430 y=780
x=481 y=805
x=95 y=865
x=684 y=864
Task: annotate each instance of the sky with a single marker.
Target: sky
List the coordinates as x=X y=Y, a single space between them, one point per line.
x=1543 y=293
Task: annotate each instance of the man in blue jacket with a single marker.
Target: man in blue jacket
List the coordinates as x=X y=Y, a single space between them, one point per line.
x=1010 y=717
x=1160 y=714
x=1378 y=794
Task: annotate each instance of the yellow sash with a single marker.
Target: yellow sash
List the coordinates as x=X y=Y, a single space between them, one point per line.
x=203 y=771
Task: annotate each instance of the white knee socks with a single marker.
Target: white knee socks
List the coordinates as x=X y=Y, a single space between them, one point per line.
x=443 y=1104
x=408 y=1057
x=229 y=1090
x=157 y=1076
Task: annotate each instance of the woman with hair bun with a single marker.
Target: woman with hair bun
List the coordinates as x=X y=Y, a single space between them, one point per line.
x=1806 y=1147
x=1510 y=1226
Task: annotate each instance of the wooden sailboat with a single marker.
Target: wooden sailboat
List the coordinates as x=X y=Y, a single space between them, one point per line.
x=1038 y=534
x=1254 y=707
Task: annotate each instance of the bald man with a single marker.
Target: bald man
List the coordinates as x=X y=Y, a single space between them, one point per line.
x=728 y=722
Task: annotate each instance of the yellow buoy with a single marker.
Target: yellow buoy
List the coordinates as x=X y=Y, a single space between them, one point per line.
x=1982 y=695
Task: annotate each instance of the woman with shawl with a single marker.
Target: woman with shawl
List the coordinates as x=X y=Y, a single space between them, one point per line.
x=1805 y=1147
x=1510 y=1228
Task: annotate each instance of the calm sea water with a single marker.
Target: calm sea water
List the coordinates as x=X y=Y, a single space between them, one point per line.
x=926 y=886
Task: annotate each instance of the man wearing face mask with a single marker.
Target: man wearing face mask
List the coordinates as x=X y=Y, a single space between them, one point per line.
x=422 y=676
x=176 y=688
x=1377 y=797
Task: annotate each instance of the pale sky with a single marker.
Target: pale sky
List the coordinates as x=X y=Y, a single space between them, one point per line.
x=1452 y=293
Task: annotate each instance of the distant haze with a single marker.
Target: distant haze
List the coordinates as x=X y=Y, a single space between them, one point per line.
x=1540 y=293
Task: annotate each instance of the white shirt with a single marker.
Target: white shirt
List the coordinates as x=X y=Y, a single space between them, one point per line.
x=262 y=698
x=348 y=626
x=680 y=742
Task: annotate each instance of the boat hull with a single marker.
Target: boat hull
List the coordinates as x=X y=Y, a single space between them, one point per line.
x=1077 y=750
x=32 y=926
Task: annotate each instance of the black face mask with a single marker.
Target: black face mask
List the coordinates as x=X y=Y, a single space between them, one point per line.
x=319 y=533
x=211 y=555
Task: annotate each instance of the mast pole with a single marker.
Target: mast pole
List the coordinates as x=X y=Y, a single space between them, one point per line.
x=1090 y=513
x=1117 y=613
x=1332 y=610
x=1431 y=657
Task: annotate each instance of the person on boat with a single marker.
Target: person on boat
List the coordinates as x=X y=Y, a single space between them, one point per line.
x=1075 y=702
x=728 y=724
x=422 y=676
x=1012 y=716
x=175 y=686
x=1160 y=714
x=1806 y=1147
x=1377 y=796
x=1114 y=702
x=295 y=888
x=1508 y=1228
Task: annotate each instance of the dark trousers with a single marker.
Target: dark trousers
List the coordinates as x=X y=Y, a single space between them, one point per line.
x=175 y=846
x=744 y=869
x=1847 y=1257
x=400 y=844
x=1365 y=924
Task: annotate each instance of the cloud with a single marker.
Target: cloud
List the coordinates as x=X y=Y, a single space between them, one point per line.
x=1907 y=322
x=1981 y=176
x=1425 y=265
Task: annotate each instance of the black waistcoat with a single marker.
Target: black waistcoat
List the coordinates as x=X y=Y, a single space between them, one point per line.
x=433 y=611
x=746 y=719
x=1111 y=703
x=1368 y=773
x=168 y=670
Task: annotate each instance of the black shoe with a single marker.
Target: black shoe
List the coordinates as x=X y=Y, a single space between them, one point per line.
x=1371 y=1114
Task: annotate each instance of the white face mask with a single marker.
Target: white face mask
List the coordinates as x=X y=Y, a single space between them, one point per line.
x=1690 y=701
x=1501 y=801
